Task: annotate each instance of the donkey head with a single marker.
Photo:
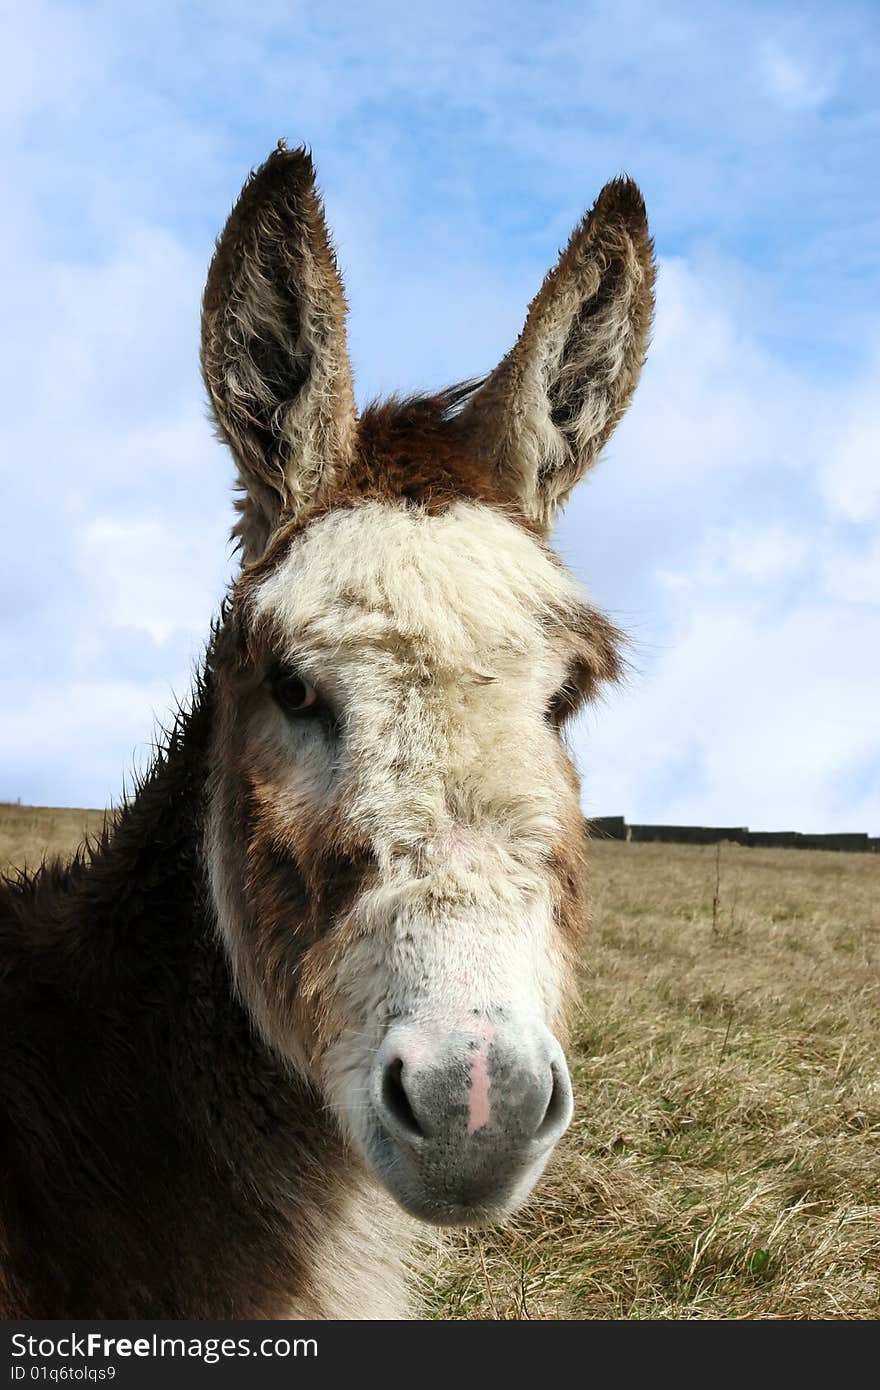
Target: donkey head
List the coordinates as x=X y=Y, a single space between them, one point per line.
x=394 y=830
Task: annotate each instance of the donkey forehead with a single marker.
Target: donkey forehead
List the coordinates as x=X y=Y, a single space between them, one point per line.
x=464 y=584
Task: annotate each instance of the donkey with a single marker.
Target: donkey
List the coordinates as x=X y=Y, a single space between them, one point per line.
x=311 y=981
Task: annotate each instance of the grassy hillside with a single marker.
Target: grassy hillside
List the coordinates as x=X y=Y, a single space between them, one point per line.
x=27 y=833
x=724 y=1160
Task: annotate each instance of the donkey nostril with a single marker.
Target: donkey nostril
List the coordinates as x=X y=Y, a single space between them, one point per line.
x=397 y=1102
x=557 y=1105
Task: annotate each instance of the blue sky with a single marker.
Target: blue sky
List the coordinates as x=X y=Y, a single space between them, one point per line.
x=734 y=525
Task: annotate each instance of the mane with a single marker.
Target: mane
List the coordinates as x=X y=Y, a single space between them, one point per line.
x=416 y=449
x=442 y=406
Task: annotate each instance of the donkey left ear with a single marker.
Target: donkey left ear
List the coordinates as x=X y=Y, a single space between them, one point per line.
x=546 y=411
x=274 y=355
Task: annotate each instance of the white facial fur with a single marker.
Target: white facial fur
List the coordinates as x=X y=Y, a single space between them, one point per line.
x=428 y=636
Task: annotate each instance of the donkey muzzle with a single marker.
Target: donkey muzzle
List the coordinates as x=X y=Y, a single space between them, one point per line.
x=465 y=1118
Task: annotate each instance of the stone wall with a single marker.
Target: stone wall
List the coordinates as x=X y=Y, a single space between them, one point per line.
x=616 y=828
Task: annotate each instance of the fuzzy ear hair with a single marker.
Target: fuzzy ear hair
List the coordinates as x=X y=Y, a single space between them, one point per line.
x=546 y=411
x=274 y=355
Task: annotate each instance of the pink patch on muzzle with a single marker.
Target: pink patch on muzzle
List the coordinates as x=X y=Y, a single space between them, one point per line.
x=479 y=1104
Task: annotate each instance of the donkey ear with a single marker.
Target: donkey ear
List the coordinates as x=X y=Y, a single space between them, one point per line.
x=274 y=357
x=553 y=402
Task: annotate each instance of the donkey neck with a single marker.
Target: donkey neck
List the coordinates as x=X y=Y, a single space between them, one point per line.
x=180 y=1169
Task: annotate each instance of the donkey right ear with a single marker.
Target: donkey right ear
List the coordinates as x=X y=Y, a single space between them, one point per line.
x=274 y=356
x=545 y=413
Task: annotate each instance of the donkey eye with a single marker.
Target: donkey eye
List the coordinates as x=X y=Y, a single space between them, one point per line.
x=296 y=697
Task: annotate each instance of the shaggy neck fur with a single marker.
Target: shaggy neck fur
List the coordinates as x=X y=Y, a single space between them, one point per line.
x=156 y=1160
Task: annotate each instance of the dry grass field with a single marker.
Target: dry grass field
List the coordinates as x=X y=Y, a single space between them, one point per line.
x=724 y=1160
x=27 y=833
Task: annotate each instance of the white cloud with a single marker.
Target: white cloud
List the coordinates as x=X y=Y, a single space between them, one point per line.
x=149 y=578
x=82 y=736
x=851 y=573
x=850 y=479
x=755 y=609
x=798 y=81
x=751 y=709
x=752 y=551
x=764 y=553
